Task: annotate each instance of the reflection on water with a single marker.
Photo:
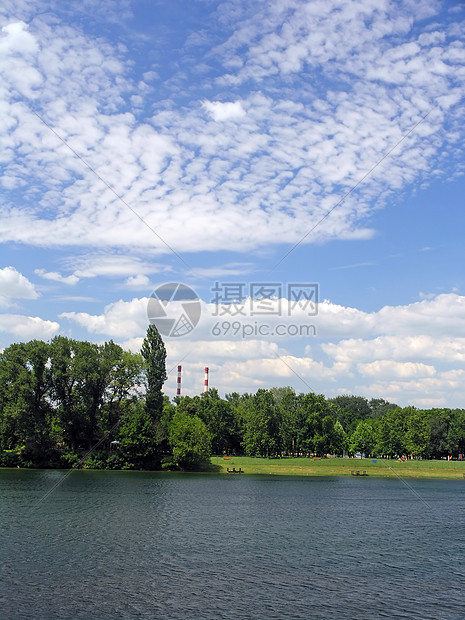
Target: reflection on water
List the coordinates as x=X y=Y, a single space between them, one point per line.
x=149 y=545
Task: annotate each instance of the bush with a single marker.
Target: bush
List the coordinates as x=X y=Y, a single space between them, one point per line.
x=117 y=461
x=69 y=459
x=9 y=458
x=96 y=460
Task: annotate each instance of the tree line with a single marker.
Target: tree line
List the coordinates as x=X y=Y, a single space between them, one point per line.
x=70 y=403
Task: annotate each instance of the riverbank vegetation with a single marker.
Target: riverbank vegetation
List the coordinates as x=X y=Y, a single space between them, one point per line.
x=69 y=403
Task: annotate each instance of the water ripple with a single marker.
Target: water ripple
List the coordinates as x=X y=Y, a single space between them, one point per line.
x=145 y=545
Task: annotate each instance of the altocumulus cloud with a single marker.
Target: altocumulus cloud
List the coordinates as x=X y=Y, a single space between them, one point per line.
x=223 y=111
x=278 y=154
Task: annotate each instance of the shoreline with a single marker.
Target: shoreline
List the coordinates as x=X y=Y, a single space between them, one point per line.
x=302 y=466
x=380 y=468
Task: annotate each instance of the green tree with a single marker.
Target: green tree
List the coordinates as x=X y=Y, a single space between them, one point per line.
x=89 y=390
x=317 y=433
x=122 y=376
x=154 y=354
x=67 y=424
x=219 y=417
x=363 y=439
x=188 y=404
x=339 y=439
x=162 y=437
x=135 y=436
x=457 y=432
x=417 y=431
x=92 y=386
x=25 y=410
x=262 y=428
x=190 y=441
x=286 y=402
x=446 y=432
x=391 y=433
x=379 y=407
x=78 y=386
x=438 y=441
x=240 y=405
x=352 y=409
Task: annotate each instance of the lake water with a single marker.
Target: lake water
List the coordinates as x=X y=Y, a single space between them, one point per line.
x=107 y=545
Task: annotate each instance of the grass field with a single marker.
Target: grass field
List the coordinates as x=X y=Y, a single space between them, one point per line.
x=386 y=468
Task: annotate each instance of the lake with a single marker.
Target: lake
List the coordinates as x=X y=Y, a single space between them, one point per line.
x=107 y=545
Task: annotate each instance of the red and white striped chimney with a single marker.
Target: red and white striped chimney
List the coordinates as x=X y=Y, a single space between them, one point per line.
x=205 y=383
x=178 y=390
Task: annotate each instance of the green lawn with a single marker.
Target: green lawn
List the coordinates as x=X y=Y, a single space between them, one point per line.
x=288 y=466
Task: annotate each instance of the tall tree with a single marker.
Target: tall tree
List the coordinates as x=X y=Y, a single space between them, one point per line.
x=391 y=433
x=262 y=429
x=363 y=439
x=318 y=417
x=287 y=402
x=154 y=353
x=67 y=422
x=135 y=435
x=24 y=402
x=379 y=407
x=417 y=431
x=77 y=391
x=219 y=417
x=439 y=433
x=352 y=409
x=122 y=372
x=457 y=432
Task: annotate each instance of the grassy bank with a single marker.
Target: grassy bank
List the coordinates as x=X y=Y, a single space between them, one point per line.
x=341 y=467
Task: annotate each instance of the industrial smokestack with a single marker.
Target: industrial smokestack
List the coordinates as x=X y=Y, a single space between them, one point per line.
x=205 y=383
x=178 y=389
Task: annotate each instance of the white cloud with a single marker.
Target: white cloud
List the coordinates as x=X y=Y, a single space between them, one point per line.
x=429 y=391
x=13 y=285
x=390 y=368
x=27 y=327
x=280 y=169
x=16 y=38
x=220 y=350
x=221 y=271
x=224 y=111
x=114 y=265
x=429 y=328
x=401 y=348
x=139 y=281
x=441 y=316
x=132 y=344
x=57 y=277
x=120 y=319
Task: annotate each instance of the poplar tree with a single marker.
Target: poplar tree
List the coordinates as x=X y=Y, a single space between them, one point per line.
x=154 y=353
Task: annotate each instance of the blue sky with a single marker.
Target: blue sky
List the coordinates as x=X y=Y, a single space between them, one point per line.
x=241 y=143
